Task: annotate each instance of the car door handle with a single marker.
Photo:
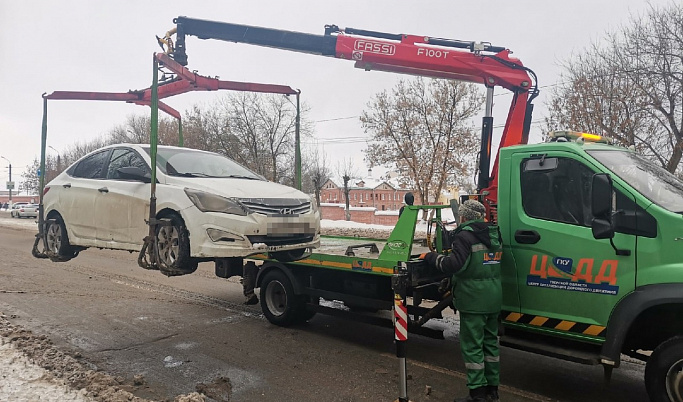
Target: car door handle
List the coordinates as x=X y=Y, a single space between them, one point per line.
x=103 y=190
x=67 y=185
x=527 y=236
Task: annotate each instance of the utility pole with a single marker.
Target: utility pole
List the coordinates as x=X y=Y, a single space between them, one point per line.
x=10 y=184
x=297 y=140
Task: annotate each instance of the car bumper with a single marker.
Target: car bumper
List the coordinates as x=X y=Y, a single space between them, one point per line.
x=218 y=235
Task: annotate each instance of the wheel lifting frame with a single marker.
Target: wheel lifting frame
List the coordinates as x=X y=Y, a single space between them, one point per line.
x=181 y=81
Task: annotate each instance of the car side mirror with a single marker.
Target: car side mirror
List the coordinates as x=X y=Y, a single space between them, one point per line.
x=134 y=173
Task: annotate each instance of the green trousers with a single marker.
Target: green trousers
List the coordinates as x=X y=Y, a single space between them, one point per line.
x=479 y=346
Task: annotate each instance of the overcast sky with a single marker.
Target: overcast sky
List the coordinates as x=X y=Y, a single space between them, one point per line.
x=47 y=46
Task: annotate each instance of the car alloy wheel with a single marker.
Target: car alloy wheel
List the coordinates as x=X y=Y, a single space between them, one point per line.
x=168 y=242
x=54 y=237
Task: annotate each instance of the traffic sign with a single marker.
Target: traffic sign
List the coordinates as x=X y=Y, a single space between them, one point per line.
x=10 y=185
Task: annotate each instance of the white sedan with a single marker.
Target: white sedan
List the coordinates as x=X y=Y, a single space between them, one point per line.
x=212 y=208
x=24 y=210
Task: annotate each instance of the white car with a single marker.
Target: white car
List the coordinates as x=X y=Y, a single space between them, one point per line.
x=213 y=207
x=24 y=210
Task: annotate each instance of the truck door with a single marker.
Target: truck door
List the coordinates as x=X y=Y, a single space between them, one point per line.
x=567 y=281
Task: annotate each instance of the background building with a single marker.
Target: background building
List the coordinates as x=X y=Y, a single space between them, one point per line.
x=371 y=200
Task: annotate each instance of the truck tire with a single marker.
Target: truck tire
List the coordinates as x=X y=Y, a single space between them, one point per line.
x=279 y=303
x=172 y=243
x=664 y=372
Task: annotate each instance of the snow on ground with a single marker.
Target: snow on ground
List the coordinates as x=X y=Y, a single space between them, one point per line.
x=22 y=380
x=19 y=223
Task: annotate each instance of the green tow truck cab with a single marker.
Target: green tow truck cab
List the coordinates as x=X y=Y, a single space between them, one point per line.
x=593 y=257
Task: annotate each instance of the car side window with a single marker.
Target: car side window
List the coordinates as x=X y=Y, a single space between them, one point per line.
x=124 y=157
x=92 y=166
x=557 y=190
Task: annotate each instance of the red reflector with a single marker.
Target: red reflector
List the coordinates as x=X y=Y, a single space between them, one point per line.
x=45 y=190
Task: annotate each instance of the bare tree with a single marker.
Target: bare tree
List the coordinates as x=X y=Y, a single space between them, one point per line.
x=259 y=133
x=423 y=129
x=317 y=172
x=630 y=89
x=346 y=171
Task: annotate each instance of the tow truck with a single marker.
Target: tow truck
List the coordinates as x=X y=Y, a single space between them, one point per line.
x=593 y=264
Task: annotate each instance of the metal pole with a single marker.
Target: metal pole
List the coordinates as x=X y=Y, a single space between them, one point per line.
x=9 y=181
x=399 y=283
x=180 y=133
x=486 y=138
x=153 y=152
x=297 y=141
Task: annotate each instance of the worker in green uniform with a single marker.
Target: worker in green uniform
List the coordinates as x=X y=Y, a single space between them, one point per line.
x=474 y=261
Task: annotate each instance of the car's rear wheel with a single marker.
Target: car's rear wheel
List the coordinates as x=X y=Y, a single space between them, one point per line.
x=172 y=243
x=57 y=240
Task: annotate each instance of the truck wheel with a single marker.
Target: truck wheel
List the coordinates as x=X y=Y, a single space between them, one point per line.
x=57 y=240
x=279 y=303
x=172 y=243
x=664 y=372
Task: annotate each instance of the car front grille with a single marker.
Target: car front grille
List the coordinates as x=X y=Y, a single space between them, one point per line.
x=277 y=206
x=280 y=240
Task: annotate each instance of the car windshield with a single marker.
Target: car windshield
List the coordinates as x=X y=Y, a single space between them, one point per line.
x=654 y=182
x=193 y=163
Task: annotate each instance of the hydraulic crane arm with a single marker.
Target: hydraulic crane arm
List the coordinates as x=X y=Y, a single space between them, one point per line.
x=412 y=54
x=424 y=56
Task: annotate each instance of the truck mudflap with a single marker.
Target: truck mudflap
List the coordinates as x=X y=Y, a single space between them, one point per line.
x=627 y=312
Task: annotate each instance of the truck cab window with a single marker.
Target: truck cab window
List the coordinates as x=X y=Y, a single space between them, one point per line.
x=557 y=190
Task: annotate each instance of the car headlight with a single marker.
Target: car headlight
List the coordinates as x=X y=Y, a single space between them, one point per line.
x=207 y=202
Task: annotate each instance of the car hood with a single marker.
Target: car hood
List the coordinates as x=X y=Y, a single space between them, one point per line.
x=239 y=188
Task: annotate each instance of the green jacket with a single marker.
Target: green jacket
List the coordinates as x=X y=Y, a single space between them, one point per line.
x=474 y=261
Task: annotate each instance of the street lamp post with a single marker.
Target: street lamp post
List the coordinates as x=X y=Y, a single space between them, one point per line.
x=59 y=162
x=10 y=185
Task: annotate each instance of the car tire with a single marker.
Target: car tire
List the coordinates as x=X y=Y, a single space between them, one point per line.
x=57 y=240
x=664 y=371
x=172 y=245
x=279 y=303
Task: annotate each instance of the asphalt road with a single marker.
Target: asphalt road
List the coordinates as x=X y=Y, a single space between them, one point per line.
x=183 y=331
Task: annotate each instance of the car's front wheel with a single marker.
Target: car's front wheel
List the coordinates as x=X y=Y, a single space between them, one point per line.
x=57 y=240
x=172 y=243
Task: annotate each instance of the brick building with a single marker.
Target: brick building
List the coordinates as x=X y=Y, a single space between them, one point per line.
x=371 y=200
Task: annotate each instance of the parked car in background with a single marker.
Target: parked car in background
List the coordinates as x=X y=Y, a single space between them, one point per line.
x=15 y=207
x=24 y=211
x=214 y=207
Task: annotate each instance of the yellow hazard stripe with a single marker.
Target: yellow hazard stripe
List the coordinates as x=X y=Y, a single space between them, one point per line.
x=552 y=323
